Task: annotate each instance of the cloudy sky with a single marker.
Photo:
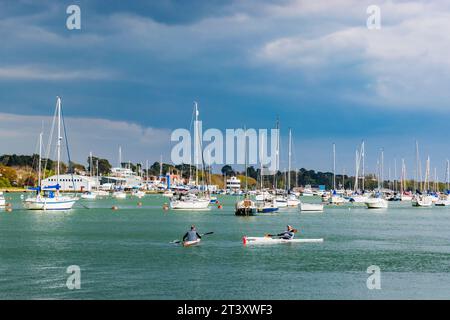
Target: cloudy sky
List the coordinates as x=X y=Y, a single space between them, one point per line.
x=131 y=74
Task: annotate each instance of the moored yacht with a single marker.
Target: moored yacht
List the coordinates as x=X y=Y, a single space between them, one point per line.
x=245 y=207
x=51 y=199
x=189 y=202
x=377 y=203
x=422 y=200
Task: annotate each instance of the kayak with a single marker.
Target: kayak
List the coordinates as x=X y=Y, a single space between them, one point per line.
x=191 y=243
x=269 y=240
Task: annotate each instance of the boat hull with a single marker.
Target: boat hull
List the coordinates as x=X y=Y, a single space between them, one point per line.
x=191 y=243
x=49 y=204
x=377 y=203
x=269 y=240
x=311 y=207
x=190 y=205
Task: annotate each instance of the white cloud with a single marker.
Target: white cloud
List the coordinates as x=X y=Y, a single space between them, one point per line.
x=101 y=136
x=405 y=64
x=32 y=72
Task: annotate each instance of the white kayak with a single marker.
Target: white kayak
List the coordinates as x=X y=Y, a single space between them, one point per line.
x=191 y=243
x=269 y=240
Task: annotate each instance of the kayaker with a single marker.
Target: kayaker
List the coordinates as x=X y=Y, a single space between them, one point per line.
x=287 y=235
x=191 y=235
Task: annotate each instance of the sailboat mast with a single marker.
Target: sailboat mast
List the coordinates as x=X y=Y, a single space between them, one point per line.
x=98 y=176
x=40 y=160
x=448 y=173
x=382 y=169
x=289 y=161
x=418 y=175
x=402 y=177
x=58 y=144
x=334 y=166
x=160 y=167
x=90 y=164
x=120 y=157
x=196 y=151
x=356 y=169
x=261 y=161
x=277 y=155
x=363 y=155
x=245 y=156
x=395 y=174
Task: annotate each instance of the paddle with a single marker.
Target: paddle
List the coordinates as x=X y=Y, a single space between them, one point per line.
x=179 y=241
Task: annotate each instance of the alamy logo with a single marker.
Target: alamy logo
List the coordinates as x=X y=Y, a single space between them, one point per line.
x=374 y=280
x=74 y=280
x=239 y=146
x=73 y=21
x=374 y=19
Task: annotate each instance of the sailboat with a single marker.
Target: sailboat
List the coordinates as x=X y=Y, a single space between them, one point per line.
x=359 y=197
x=51 y=199
x=377 y=201
x=245 y=207
x=192 y=201
x=292 y=200
x=335 y=198
x=444 y=200
x=421 y=199
x=404 y=195
x=88 y=195
x=265 y=202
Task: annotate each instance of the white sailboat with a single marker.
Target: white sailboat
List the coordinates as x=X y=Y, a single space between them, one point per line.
x=292 y=200
x=51 y=199
x=335 y=198
x=191 y=201
x=377 y=201
x=88 y=195
x=422 y=199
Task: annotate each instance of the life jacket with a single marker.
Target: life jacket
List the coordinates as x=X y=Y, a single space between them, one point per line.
x=288 y=235
x=192 y=235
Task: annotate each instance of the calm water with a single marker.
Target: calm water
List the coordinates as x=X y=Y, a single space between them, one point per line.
x=126 y=254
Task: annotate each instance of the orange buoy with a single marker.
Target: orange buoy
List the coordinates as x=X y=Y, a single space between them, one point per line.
x=219 y=206
x=115 y=208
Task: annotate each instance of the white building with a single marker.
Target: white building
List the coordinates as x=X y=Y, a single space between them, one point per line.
x=123 y=177
x=71 y=182
x=233 y=183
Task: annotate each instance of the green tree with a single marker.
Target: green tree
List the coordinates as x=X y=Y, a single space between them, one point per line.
x=8 y=174
x=228 y=170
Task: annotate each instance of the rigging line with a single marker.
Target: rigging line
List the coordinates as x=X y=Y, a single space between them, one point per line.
x=67 y=147
x=47 y=153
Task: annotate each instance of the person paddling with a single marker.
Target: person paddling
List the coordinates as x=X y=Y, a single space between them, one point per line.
x=287 y=235
x=191 y=235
